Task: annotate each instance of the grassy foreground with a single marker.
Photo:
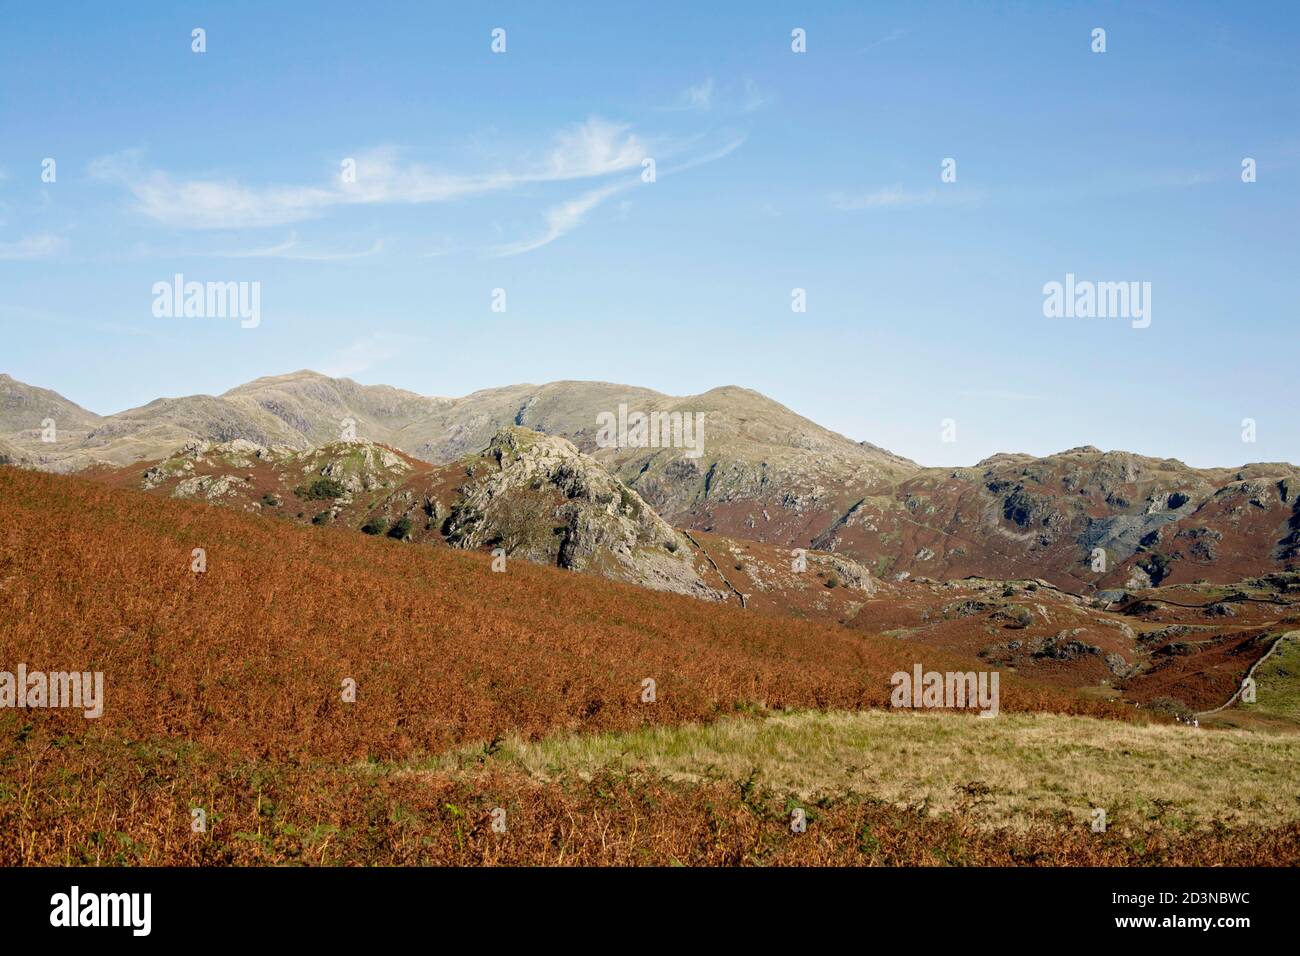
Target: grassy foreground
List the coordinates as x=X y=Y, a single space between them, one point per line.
x=225 y=740
x=1277 y=700
x=1011 y=771
x=717 y=795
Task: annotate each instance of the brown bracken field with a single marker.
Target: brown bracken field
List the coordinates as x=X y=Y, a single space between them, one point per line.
x=223 y=692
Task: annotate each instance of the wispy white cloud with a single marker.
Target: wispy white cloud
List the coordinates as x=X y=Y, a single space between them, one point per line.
x=562 y=219
x=588 y=150
x=753 y=100
x=567 y=216
x=591 y=150
x=43 y=246
x=699 y=97
x=367 y=352
x=443 y=247
x=594 y=148
x=1182 y=177
x=890 y=37
x=705 y=96
x=886 y=197
x=701 y=160
x=208 y=203
x=898 y=197
x=291 y=249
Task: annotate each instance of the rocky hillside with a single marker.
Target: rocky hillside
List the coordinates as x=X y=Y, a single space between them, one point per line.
x=23 y=407
x=534 y=496
x=753 y=449
x=1176 y=647
x=9 y=455
x=761 y=473
x=538 y=497
x=1083 y=519
x=41 y=428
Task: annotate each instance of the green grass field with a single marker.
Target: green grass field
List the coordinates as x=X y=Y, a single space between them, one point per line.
x=1008 y=771
x=1277 y=694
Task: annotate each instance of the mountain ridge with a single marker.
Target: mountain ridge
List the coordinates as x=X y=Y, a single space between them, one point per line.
x=534 y=497
x=8 y=381
x=1081 y=518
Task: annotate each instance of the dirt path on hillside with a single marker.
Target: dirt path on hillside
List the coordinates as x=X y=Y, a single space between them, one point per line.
x=1250 y=673
x=708 y=557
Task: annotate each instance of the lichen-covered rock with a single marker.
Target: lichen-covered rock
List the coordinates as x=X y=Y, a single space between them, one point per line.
x=539 y=498
x=210 y=487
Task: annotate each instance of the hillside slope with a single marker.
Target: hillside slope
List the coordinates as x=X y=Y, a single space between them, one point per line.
x=1141 y=521
x=226 y=691
x=535 y=497
x=528 y=496
x=761 y=473
x=444 y=650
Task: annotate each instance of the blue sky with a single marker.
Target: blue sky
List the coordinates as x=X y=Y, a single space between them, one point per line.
x=775 y=170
